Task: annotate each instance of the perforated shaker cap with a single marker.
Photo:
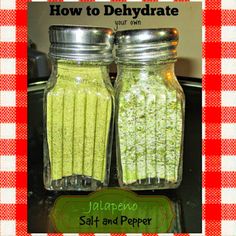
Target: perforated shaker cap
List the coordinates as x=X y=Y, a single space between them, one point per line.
x=81 y=43
x=137 y=46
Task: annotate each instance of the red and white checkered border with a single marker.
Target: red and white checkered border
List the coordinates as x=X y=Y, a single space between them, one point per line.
x=219 y=118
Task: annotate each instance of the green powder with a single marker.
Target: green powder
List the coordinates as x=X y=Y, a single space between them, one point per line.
x=79 y=111
x=150 y=122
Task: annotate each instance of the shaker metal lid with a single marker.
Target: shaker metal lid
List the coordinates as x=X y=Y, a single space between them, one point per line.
x=81 y=43
x=146 y=45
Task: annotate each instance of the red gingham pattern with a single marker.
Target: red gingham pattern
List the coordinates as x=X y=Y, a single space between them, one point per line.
x=219 y=119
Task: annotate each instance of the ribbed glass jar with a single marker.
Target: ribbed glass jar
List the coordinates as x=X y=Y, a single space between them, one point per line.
x=150 y=110
x=78 y=109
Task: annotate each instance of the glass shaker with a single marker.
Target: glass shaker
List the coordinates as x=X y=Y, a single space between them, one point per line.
x=150 y=110
x=78 y=109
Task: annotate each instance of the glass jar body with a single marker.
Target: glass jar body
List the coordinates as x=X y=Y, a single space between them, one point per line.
x=149 y=126
x=78 y=121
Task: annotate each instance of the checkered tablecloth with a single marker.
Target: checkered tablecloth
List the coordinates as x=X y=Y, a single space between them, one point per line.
x=219 y=118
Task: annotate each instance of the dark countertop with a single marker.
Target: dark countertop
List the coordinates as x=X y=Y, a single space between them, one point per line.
x=188 y=195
